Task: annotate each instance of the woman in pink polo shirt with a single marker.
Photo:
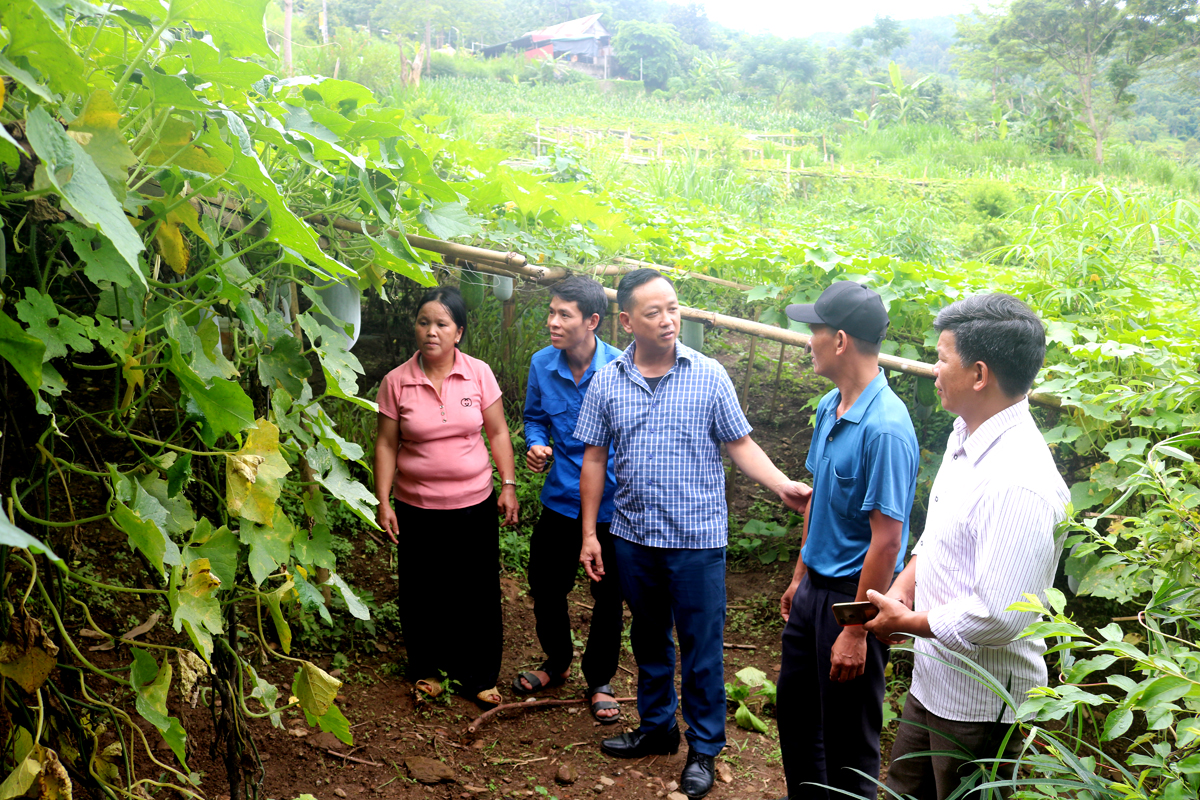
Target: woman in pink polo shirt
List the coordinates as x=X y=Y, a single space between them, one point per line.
x=429 y=453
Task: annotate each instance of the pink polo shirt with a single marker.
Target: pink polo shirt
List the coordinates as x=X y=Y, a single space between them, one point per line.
x=442 y=461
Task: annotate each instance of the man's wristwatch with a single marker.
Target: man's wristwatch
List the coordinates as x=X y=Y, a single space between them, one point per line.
x=507 y=482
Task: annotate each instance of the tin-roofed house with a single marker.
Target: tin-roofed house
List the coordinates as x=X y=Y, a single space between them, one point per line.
x=582 y=41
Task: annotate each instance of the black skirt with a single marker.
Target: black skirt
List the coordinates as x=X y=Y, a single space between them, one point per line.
x=449 y=600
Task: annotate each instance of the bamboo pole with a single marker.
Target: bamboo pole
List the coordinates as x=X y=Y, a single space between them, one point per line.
x=781 y=335
x=509 y=264
x=676 y=272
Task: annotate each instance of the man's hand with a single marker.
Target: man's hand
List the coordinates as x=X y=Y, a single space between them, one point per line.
x=591 y=558
x=785 y=602
x=794 y=494
x=849 y=656
x=893 y=624
x=537 y=456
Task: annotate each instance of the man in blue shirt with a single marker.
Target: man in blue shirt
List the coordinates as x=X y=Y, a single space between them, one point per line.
x=863 y=459
x=667 y=409
x=559 y=377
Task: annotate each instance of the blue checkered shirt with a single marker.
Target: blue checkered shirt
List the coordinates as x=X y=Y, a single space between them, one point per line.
x=670 y=479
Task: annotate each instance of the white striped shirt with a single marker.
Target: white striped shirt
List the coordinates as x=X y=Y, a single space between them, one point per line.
x=989 y=539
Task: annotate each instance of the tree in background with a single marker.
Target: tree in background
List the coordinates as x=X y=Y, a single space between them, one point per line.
x=692 y=23
x=881 y=38
x=1098 y=46
x=649 y=48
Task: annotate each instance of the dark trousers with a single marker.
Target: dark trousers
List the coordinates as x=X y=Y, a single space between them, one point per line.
x=687 y=588
x=553 y=564
x=449 y=599
x=826 y=729
x=935 y=777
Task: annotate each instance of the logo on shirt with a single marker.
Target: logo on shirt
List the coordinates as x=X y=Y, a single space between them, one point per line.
x=466 y=402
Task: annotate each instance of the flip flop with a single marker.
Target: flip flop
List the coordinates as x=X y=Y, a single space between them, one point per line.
x=535 y=683
x=603 y=705
x=428 y=688
x=489 y=698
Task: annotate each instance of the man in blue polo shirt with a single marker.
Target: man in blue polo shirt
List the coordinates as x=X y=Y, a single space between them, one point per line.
x=667 y=409
x=559 y=376
x=863 y=459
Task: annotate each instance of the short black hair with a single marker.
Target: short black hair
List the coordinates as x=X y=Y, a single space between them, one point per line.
x=452 y=299
x=1000 y=331
x=584 y=292
x=865 y=348
x=861 y=345
x=630 y=282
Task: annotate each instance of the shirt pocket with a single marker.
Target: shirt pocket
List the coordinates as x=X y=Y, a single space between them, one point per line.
x=846 y=493
x=562 y=420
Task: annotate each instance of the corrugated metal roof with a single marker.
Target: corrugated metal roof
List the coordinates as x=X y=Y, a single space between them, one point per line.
x=574 y=29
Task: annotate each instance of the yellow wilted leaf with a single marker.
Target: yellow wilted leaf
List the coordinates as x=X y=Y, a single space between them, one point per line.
x=186 y=213
x=134 y=378
x=27 y=656
x=98 y=131
x=54 y=782
x=175 y=144
x=252 y=475
x=173 y=247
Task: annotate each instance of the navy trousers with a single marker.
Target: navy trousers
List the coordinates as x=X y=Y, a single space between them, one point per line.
x=827 y=729
x=684 y=589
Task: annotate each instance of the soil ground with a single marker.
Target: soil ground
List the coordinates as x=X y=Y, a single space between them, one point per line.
x=527 y=752
x=554 y=751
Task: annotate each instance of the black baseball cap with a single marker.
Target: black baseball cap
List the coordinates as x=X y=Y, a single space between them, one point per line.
x=846 y=306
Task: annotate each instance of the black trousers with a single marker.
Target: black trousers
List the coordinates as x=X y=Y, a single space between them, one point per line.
x=553 y=564
x=449 y=600
x=827 y=729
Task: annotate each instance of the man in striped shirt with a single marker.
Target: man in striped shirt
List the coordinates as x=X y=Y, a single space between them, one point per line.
x=990 y=538
x=666 y=409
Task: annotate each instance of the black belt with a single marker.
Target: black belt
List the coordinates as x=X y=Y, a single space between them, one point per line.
x=841 y=585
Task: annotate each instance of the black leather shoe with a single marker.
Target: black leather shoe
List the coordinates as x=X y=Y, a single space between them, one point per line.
x=697 y=776
x=636 y=744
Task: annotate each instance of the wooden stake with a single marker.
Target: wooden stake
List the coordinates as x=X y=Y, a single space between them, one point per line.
x=778 y=377
x=306 y=471
x=749 y=369
x=613 y=312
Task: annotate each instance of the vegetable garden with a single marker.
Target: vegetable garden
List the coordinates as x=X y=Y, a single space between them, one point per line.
x=187 y=421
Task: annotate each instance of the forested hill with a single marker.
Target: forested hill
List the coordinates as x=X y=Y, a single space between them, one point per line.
x=1010 y=71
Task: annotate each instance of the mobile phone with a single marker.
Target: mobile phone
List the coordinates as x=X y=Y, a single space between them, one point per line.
x=854 y=613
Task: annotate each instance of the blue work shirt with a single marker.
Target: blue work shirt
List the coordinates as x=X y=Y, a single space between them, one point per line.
x=865 y=460
x=670 y=479
x=552 y=401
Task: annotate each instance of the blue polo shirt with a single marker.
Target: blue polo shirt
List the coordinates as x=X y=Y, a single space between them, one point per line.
x=865 y=460
x=670 y=477
x=552 y=401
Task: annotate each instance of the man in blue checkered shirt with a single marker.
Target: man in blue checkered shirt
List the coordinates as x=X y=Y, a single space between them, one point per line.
x=667 y=409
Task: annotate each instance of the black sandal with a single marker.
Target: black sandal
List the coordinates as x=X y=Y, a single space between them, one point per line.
x=603 y=705
x=535 y=684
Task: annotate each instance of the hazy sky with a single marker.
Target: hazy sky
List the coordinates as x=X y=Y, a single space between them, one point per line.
x=807 y=17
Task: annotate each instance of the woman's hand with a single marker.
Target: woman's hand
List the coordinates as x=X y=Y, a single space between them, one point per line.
x=508 y=505
x=386 y=518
